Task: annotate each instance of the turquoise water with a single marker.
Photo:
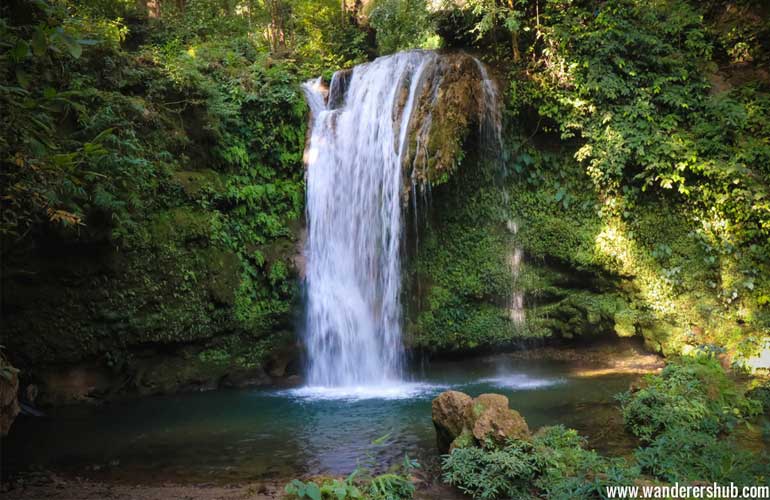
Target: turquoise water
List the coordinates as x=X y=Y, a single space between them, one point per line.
x=278 y=433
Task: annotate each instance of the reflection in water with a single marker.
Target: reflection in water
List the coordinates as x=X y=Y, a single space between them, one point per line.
x=245 y=435
x=520 y=381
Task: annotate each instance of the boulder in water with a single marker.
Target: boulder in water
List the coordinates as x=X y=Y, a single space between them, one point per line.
x=462 y=421
x=496 y=422
x=449 y=411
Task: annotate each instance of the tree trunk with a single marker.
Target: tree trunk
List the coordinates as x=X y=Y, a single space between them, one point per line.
x=276 y=29
x=153 y=9
x=514 y=36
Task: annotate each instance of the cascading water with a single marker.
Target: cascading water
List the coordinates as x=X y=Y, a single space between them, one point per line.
x=362 y=130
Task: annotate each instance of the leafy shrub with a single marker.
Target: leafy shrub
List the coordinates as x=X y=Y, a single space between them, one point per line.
x=553 y=465
x=390 y=486
x=571 y=471
x=330 y=489
x=492 y=473
x=761 y=394
x=680 y=454
x=692 y=393
x=401 y=24
x=396 y=484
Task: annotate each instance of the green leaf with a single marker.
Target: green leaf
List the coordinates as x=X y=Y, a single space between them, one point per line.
x=74 y=48
x=20 y=51
x=39 y=42
x=22 y=77
x=312 y=491
x=381 y=439
x=104 y=134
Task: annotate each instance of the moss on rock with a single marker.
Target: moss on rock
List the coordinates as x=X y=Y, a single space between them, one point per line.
x=197 y=183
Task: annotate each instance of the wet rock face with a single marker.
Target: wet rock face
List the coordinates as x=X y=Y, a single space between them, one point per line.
x=338 y=87
x=462 y=421
x=455 y=101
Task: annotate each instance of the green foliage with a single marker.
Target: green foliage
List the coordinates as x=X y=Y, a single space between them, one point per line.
x=47 y=177
x=314 y=32
x=571 y=471
x=460 y=271
x=488 y=474
x=553 y=465
x=325 y=40
x=681 y=416
x=681 y=454
x=173 y=151
x=761 y=394
x=299 y=489
x=693 y=394
x=362 y=483
x=628 y=164
x=402 y=24
x=629 y=83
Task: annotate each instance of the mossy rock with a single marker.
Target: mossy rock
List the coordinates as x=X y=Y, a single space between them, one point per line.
x=464 y=440
x=486 y=420
x=625 y=323
x=195 y=183
x=662 y=336
x=452 y=103
x=180 y=225
x=224 y=268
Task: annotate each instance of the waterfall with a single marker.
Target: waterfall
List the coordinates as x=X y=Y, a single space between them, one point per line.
x=360 y=136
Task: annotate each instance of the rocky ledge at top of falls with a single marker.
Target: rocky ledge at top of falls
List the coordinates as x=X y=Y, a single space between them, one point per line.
x=462 y=421
x=456 y=98
x=455 y=102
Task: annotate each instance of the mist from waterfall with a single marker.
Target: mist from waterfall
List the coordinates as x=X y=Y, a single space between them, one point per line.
x=356 y=193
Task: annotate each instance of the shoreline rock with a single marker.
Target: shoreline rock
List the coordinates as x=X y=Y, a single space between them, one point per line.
x=462 y=421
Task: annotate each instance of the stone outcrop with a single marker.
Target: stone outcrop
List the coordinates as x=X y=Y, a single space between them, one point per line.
x=451 y=103
x=462 y=421
x=449 y=416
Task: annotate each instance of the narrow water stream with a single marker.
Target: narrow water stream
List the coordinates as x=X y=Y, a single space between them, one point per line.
x=234 y=435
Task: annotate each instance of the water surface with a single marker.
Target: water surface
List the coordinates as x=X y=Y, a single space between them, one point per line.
x=231 y=435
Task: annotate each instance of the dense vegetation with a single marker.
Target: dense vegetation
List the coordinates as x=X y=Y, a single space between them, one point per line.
x=635 y=178
x=153 y=195
x=153 y=168
x=687 y=418
x=153 y=181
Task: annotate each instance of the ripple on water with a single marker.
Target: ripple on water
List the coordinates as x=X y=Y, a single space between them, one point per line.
x=519 y=381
